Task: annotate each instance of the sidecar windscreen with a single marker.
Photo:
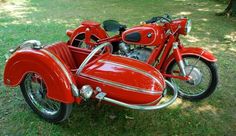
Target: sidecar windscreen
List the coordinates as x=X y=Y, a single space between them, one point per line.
x=113 y=26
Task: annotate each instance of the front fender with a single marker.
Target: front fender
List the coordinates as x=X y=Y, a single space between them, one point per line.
x=97 y=31
x=204 y=54
x=28 y=60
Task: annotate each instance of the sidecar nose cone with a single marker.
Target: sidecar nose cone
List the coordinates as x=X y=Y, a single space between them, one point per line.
x=86 y=91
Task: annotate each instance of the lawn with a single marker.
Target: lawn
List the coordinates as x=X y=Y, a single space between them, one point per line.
x=47 y=21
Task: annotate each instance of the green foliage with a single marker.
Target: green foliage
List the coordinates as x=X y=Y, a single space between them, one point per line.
x=47 y=21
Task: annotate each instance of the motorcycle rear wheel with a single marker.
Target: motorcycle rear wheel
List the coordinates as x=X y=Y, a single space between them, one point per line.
x=204 y=82
x=34 y=91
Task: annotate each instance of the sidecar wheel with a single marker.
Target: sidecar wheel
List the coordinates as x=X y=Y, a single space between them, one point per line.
x=204 y=73
x=34 y=91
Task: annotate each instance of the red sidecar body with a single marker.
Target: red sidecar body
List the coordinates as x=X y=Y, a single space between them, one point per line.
x=123 y=79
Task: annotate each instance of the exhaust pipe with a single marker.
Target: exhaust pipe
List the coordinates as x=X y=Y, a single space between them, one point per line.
x=102 y=97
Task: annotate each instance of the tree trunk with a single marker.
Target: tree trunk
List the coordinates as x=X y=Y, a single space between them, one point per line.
x=230 y=9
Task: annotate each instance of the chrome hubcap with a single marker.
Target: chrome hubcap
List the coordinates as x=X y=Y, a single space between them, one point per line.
x=194 y=74
x=36 y=91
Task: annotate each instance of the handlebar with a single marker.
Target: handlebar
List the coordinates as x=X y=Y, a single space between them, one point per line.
x=158 y=18
x=152 y=20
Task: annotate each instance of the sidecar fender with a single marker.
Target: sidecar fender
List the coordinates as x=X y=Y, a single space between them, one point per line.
x=56 y=75
x=94 y=30
x=204 y=54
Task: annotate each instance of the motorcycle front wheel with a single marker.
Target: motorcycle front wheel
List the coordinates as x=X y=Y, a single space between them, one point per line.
x=203 y=74
x=34 y=91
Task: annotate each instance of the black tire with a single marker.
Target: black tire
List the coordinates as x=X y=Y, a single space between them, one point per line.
x=61 y=114
x=210 y=87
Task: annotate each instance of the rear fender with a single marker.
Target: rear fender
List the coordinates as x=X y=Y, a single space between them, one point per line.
x=204 y=54
x=96 y=31
x=57 y=77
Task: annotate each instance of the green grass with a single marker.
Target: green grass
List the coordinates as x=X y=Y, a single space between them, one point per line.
x=47 y=21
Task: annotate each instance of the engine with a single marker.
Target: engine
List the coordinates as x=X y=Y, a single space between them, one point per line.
x=139 y=53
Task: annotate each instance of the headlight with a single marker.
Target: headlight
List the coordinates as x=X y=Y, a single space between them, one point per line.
x=86 y=91
x=188 y=26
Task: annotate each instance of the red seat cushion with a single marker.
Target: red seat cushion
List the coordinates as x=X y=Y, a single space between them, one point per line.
x=62 y=51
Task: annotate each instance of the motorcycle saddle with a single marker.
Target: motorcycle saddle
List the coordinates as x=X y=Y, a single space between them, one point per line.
x=113 y=26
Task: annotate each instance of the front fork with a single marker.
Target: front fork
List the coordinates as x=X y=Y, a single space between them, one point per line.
x=180 y=62
x=179 y=59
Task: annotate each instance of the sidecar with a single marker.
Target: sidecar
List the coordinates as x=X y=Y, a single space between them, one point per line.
x=53 y=77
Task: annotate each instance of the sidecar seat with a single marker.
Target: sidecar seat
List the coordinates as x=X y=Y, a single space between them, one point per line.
x=62 y=51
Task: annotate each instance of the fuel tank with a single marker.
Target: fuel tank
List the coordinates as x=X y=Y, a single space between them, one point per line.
x=148 y=34
x=127 y=80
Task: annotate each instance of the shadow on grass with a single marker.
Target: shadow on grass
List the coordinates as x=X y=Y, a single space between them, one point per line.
x=113 y=119
x=87 y=119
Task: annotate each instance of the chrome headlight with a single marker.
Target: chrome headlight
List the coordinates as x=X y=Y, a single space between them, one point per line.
x=86 y=91
x=188 y=26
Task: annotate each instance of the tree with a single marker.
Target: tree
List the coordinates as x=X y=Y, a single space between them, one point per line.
x=230 y=9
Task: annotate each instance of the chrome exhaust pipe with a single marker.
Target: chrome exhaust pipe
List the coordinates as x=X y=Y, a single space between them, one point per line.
x=102 y=97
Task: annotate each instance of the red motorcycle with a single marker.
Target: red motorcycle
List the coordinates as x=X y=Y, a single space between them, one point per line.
x=156 y=42
x=53 y=77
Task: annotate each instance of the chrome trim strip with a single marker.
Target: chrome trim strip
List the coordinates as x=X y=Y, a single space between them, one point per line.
x=75 y=91
x=141 y=107
x=119 y=85
x=59 y=63
x=134 y=69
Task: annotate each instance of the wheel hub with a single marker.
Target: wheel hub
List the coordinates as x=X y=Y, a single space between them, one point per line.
x=194 y=74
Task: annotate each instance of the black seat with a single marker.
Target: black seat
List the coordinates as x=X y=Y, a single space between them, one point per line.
x=113 y=26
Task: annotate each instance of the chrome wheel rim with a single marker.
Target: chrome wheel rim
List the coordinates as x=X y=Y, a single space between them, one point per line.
x=200 y=77
x=36 y=91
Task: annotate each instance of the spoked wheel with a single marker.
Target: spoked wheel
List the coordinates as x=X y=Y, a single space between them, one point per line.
x=203 y=74
x=34 y=91
x=79 y=41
